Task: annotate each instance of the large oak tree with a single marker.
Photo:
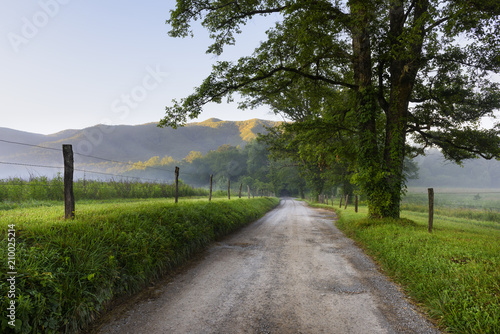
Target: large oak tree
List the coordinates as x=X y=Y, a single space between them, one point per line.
x=418 y=69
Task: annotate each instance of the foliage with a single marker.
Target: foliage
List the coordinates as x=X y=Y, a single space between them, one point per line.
x=394 y=69
x=68 y=271
x=308 y=146
x=453 y=273
x=249 y=166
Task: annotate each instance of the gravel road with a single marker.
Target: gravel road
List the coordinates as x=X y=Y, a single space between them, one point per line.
x=292 y=271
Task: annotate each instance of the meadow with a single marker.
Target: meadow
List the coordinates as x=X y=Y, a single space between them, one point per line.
x=479 y=204
x=68 y=271
x=453 y=273
x=42 y=188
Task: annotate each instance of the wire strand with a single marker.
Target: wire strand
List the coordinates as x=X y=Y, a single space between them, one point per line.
x=31 y=145
x=28 y=165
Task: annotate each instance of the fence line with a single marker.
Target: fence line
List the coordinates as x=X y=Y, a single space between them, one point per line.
x=68 y=159
x=94 y=157
x=133 y=164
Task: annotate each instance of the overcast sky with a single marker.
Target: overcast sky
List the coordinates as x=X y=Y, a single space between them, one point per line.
x=75 y=63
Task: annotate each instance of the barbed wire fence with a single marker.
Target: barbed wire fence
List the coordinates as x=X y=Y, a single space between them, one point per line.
x=113 y=178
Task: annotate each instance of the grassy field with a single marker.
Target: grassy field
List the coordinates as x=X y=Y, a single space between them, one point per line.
x=456 y=198
x=473 y=204
x=68 y=271
x=452 y=273
x=16 y=190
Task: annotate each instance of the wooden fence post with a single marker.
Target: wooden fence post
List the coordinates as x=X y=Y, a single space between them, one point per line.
x=84 y=184
x=431 y=208
x=228 y=188
x=241 y=185
x=69 y=196
x=176 y=183
x=356 y=204
x=346 y=199
x=210 y=191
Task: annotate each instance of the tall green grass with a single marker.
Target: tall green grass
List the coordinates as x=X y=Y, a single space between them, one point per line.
x=16 y=190
x=69 y=270
x=453 y=273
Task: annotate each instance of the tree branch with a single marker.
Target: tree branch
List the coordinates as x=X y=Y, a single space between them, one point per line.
x=436 y=139
x=318 y=77
x=437 y=23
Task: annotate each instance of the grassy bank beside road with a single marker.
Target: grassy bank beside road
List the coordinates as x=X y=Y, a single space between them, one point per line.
x=67 y=271
x=453 y=273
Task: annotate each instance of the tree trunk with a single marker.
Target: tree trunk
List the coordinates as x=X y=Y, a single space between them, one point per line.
x=403 y=71
x=381 y=172
x=366 y=108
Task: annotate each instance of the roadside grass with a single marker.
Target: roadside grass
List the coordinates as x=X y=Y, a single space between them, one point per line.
x=453 y=273
x=68 y=271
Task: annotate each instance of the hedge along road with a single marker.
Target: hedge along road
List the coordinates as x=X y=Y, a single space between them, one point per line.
x=292 y=271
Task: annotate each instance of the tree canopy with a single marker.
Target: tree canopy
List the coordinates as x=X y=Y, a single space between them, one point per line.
x=379 y=71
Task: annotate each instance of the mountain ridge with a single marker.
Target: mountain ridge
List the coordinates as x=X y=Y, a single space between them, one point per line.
x=123 y=143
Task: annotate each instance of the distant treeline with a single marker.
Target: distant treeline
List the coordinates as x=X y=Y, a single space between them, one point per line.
x=248 y=167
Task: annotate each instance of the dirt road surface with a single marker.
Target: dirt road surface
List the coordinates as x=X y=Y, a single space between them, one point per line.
x=292 y=271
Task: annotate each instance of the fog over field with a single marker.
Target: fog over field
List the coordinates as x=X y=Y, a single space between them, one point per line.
x=435 y=171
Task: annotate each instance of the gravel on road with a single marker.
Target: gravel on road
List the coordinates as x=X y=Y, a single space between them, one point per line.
x=292 y=271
